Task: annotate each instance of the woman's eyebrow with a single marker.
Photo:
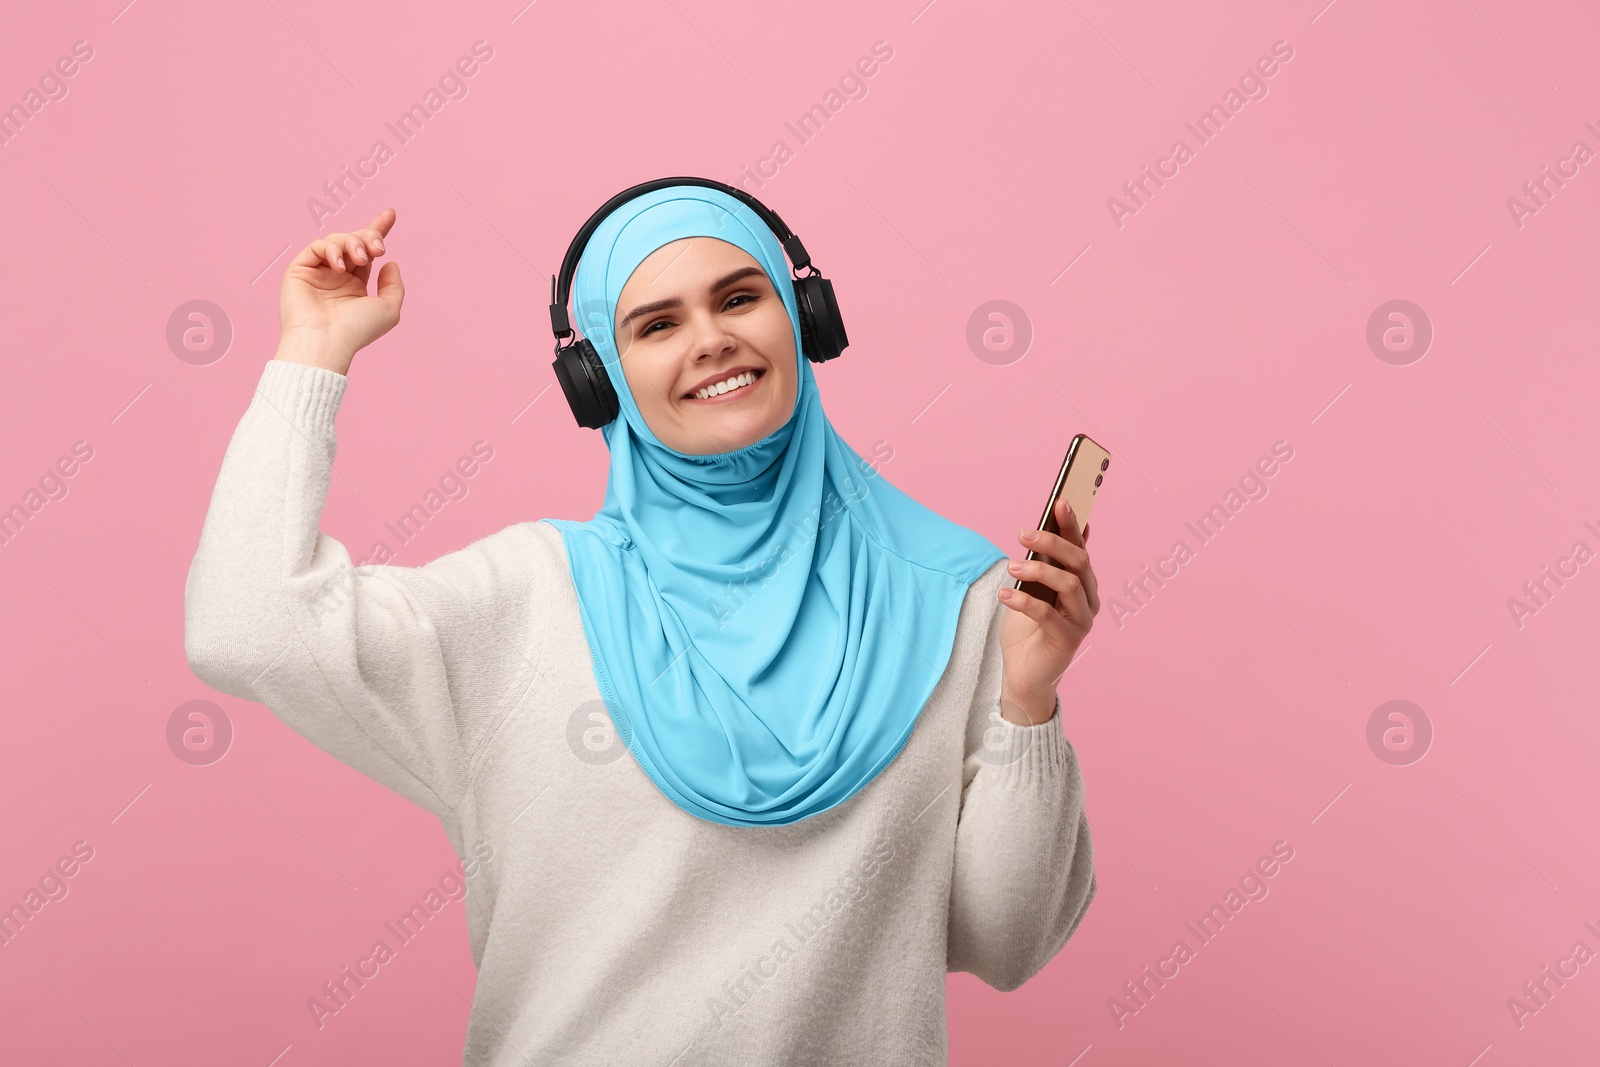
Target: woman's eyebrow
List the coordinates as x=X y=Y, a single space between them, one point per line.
x=662 y=305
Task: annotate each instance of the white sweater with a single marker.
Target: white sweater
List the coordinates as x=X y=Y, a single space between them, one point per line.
x=609 y=926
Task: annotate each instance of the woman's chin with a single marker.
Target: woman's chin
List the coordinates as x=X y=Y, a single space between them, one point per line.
x=732 y=442
x=727 y=434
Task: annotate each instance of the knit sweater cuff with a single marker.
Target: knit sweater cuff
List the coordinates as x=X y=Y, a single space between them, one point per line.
x=307 y=396
x=1030 y=756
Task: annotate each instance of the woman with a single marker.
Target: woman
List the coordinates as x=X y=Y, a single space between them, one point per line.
x=848 y=770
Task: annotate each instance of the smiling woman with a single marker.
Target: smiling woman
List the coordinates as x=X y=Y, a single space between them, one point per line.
x=707 y=347
x=847 y=773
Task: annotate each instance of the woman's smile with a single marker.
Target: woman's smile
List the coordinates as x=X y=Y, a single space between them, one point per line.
x=728 y=389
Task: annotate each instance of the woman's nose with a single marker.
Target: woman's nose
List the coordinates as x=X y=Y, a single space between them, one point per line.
x=709 y=336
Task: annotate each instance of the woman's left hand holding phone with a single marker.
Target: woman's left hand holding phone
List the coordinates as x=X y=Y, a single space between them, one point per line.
x=1037 y=639
x=324 y=309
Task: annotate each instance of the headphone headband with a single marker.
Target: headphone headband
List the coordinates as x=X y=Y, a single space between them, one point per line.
x=561 y=287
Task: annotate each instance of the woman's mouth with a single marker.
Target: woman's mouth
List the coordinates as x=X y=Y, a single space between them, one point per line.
x=729 y=389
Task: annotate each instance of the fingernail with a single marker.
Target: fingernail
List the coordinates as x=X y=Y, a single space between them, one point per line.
x=1015 y=566
x=1030 y=535
x=1007 y=594
x=378 y=245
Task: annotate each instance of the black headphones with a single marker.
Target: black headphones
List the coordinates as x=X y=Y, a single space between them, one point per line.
x=582 y=372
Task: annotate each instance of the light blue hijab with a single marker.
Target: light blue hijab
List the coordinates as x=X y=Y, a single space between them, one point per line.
x=766 y=624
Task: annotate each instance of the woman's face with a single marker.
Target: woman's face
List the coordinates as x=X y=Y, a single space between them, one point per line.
x=695 y=313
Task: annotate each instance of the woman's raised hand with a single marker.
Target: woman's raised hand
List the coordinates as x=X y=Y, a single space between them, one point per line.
x=324 y=309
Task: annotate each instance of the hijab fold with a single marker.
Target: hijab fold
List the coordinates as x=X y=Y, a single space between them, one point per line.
x=766 y=624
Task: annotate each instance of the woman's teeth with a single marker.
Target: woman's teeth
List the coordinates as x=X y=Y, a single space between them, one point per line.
x=737 y=381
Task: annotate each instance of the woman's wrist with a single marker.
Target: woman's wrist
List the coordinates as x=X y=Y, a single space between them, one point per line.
x=314 y=349
x=1027 y=709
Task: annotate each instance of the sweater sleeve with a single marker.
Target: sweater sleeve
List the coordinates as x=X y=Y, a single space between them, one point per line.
x=1024 y=861
x=401 y=673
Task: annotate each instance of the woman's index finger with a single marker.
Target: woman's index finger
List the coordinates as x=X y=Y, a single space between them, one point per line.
x=1068 y=521
x=382 y=221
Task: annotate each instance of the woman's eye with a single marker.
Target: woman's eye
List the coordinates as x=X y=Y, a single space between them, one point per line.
x=651 y=328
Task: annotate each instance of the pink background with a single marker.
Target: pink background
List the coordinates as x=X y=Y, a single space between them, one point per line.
x=1230 y=312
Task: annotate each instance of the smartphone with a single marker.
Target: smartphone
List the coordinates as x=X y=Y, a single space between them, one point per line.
x=1082 y=472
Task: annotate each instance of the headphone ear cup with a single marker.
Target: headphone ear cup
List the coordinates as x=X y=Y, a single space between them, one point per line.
x=821 y=326
x=583 y=378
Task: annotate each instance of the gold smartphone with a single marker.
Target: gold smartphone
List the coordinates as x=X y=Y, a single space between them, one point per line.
x=1082 y=472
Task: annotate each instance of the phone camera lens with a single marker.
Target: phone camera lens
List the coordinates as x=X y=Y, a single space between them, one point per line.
x=1098 y=478
x=1104 y=464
